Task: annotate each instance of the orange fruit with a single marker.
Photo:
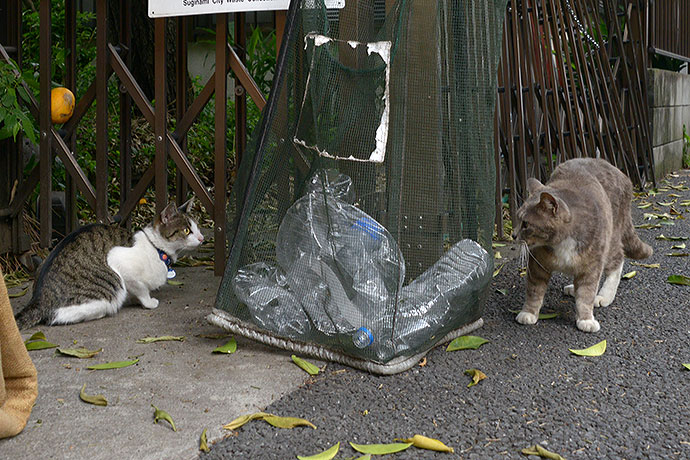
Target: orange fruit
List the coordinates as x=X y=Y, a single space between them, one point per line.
x=61 y=105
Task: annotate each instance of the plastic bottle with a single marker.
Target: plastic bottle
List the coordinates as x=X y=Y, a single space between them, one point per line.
x=362 y=337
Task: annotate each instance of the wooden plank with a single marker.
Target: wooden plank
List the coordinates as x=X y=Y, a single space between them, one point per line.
x=160 y=116
x=45 y=125
x=101 y=111
x=220 y=144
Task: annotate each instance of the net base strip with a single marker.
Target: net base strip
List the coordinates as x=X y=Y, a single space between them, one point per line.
x=222 y=319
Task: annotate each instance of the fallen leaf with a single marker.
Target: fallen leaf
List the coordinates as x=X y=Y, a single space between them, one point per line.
x=380 y=449
x=498 y=255
x=175 y=283
x=679 y=279
x=162 y=415
x=228 y=348
x=203 y=443
x=498 y=270
x=678 y=254
x=648 y=226
x=477 y=376
x=327 y=454
x=687 y=366
x=678 y=246
x=36 y=336
x=113 y=365
x=287 y=422
x=274 y=420
x=497 y=245
x=466 y=342
x=422 y=442
x=645 y=265
x=502 y=291
x=81 y=352
x=38 y=342
x=243 y=419
x=39 y=345
x=305 y=365
x=162 y=338
x=422 y=363
x=629 y=275
x=668 y=203
x=96 y=400
x=19 y=294
x=541 y=452
x=594 y=350
x=644 y=205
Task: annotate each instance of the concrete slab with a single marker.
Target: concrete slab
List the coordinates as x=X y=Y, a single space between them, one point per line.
x=197 y=388
x=667 y=158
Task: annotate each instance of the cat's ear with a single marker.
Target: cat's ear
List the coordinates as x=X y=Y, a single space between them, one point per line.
x=554 y=206
x=548 y=202
x=168 y=213
x=533 y=185
x=186 y=206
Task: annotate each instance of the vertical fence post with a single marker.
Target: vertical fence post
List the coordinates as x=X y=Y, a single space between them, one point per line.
x=240 y=93
x=181 y=100
x=221 y=83
x=46 y=145
x=71 y=84
x=160 y=116
x=101 y=111
x=125 y=108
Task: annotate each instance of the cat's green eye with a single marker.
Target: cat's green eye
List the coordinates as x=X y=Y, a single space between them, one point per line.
x=186 y=231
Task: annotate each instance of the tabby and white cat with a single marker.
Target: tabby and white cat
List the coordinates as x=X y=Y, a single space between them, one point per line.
x=93 y=271
x=579 y=224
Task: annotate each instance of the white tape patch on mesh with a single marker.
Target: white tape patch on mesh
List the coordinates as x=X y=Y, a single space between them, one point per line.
x=383 y=49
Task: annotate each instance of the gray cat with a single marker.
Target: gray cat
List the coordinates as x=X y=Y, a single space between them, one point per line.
x=579 y=224
x=92 y=271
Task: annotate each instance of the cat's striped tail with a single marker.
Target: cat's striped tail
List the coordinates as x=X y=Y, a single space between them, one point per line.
x=633 y=246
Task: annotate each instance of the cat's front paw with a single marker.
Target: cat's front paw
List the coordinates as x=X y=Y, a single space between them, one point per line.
x=569 y=290
x=588 y=325
x=151 y=303
x=525 y=317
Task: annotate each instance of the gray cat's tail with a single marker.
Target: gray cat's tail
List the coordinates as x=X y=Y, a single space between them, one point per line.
x=633 y=246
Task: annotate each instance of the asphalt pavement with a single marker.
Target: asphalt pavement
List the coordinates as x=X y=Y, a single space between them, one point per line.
x=629 y=403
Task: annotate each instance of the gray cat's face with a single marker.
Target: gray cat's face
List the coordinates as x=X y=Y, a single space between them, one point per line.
x=541 y=218
x=178 y=228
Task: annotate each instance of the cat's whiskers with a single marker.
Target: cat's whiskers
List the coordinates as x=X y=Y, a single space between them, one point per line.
x=526 y=254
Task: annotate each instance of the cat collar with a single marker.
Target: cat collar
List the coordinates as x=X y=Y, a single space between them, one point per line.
x=167 y=261
x=164 y=257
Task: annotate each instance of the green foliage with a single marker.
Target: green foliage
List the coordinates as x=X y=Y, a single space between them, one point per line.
x=86 y=45
x=14 y=116
x=261 y=58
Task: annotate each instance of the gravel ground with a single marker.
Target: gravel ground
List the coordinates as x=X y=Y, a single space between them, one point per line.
x=630 y=403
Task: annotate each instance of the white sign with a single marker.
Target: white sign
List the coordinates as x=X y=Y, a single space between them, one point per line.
x=164 y=8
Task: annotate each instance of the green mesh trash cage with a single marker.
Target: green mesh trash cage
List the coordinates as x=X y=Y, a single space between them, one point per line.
x=361 y=219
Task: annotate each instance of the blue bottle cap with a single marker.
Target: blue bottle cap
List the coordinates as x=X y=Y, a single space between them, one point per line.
x=369 y=335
